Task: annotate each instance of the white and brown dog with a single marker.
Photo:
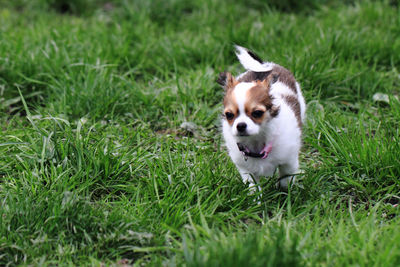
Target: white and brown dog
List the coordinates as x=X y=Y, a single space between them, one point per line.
x=263 y=117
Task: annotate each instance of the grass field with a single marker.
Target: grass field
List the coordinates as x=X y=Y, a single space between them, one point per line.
x=110 y=147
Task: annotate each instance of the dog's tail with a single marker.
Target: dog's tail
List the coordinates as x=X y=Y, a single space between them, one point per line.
x=251 y=61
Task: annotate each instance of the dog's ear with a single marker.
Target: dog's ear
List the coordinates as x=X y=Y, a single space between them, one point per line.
x=226 y=80
x=270 y=80
x=274 y=77
x=267 y=83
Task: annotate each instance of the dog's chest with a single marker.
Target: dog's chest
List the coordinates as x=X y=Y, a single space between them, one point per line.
x=255 y=166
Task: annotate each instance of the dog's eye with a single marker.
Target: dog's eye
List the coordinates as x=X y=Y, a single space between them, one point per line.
x=229 y=115
x=257 y=114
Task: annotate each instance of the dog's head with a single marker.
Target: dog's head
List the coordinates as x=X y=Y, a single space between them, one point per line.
x=248 y=106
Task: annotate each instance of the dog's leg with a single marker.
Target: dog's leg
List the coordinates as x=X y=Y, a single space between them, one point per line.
x=254 y=184
x=286 y=172
x=252 y=180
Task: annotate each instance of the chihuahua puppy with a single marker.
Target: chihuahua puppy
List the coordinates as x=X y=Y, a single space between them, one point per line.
x=264 y=111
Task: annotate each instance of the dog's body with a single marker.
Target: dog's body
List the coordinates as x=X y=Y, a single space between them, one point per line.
x=263 y=118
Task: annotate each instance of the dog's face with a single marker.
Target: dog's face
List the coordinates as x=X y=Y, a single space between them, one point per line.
x=247 y=105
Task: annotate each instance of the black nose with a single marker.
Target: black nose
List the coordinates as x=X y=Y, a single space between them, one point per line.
x=241 y=127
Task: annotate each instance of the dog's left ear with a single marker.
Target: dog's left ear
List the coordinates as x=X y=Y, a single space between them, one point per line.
x=270 y=80
x=274 y=77
x=266 y=83
x=226 y=80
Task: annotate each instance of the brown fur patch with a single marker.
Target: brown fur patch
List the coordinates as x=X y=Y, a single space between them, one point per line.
x=294 y=104
x=252 y=76
x=227 y=80
x=278 y=73
x=258 y=98
x=231 y=105
x=285 y=77
x=274 y=111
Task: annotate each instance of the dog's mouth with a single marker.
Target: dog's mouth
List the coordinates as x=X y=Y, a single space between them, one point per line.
x=261 y=154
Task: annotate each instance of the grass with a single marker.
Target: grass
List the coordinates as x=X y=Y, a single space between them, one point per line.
x=110 y=148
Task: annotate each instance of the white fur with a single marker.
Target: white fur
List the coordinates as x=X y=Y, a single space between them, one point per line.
x=283 y=131
x=302 y=103
x=279 y=89
x=240 y=95
x=250 y=63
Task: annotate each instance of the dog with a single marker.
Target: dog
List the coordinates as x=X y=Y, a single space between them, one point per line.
x=264 y=112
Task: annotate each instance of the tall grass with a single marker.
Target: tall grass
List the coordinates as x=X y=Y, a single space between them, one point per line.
x=110 y=151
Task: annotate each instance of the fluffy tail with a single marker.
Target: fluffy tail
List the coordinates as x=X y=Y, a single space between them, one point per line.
x=251 y=61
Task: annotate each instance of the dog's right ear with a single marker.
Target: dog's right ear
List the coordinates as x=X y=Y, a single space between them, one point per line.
x=226 y=80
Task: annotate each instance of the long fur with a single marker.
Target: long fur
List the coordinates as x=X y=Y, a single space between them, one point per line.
x=283 y=131
x=251 y=61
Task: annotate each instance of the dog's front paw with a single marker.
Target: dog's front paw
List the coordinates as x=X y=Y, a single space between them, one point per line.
x=285 y=182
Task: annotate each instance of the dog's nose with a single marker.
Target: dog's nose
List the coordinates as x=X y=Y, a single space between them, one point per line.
x=241 y=127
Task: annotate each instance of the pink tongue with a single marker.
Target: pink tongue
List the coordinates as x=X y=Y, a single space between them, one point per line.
x=266 y=150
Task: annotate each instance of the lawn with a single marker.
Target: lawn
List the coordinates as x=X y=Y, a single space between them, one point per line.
x=110 y=144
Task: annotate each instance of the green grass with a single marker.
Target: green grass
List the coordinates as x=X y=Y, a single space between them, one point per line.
x=97 y=167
